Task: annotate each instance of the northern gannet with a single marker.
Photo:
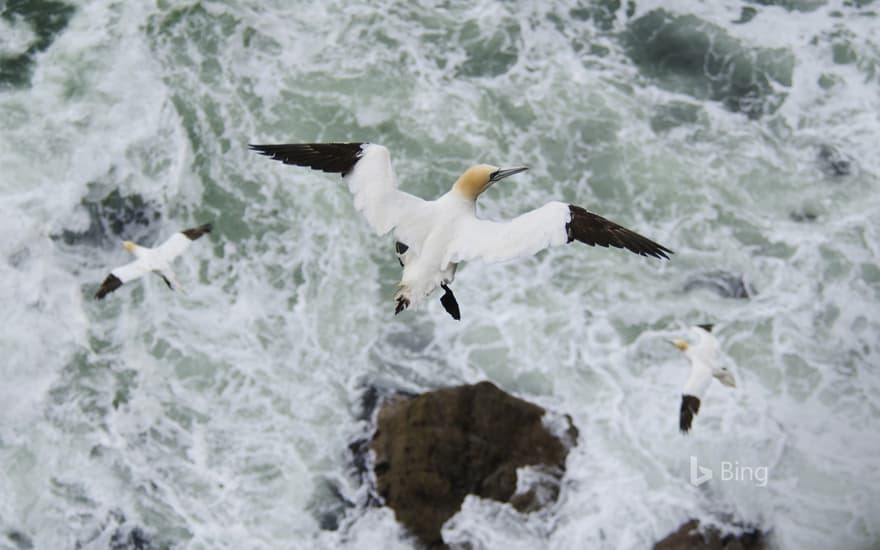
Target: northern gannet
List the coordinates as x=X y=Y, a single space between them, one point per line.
x=157 y=260
x=434 y=236
x=704 y=359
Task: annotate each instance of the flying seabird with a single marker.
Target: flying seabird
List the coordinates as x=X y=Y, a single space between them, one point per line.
x=704 y=359
x=434 y=236
x=157 y=260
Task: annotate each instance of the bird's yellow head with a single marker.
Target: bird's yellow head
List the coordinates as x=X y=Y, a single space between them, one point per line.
x=477 y=179
x=128 y=246
x=680 y=344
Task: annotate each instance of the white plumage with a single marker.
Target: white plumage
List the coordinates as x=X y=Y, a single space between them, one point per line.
x=157 y=260
x=705 y=359
x=435 y=236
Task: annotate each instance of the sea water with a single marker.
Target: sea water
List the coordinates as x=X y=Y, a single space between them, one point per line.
x=743 y=135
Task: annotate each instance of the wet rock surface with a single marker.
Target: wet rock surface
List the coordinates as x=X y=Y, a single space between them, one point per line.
x=690 y=537
x=433 y=449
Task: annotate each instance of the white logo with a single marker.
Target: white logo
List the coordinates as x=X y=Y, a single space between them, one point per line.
x=699 y=474
x=730 y=471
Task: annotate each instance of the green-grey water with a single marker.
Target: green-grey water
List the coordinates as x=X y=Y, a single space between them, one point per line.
x=743 y=136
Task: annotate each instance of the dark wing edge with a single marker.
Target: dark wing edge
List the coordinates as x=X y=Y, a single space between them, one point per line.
x=336 y=158
x=167 y=282
x=196 y=232
x=110 y=284
x=594 y=230
x=690 y=406
x=707 y=327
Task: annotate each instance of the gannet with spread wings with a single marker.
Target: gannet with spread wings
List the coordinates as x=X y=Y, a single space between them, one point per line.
x=434 y=236
x=704 y=356
x=157 y=260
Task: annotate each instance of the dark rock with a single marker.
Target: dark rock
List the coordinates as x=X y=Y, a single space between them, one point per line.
x=434 y=449
x=689 y=55
x=690 y=537
x=834 y=162
x=373 y=395
x=726 y=285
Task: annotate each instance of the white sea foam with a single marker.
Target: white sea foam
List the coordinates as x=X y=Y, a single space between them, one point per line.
x=213 y=418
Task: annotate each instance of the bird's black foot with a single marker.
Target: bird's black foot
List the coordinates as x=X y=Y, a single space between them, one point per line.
x=400 y=249
x=402 y=304
x=449 y=303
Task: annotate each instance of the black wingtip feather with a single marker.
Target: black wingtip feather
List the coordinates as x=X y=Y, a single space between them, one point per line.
x=110 y=284
x=707 y=327
x=336 y=158
x=690 y=406
x=196 y=232
x=594 y=230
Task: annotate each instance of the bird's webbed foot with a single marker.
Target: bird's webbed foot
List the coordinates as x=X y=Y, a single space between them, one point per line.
x=400 y=249
x=449 y=302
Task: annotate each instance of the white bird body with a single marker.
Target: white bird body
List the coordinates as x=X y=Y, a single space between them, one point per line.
x=436 y=235
x=704 y=357
x=156 y=260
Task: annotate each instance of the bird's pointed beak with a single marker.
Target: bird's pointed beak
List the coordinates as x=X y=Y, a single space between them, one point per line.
x=499 y=175
x=680 y=344
x=128 y=245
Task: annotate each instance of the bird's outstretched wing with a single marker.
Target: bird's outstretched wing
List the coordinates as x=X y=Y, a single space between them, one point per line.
x=707 y=345
x=553 y=224
x=180 y=241
x=120 y=276
x=594 y=230
x=699 y=378
x=367 y=170
x=335 y=158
